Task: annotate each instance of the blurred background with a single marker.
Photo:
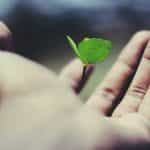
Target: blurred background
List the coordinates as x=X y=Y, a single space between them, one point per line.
x=39 y=28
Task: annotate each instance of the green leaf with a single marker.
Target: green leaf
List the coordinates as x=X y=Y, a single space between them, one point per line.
x=74 y=47
x=91 y=50
x=94 y=49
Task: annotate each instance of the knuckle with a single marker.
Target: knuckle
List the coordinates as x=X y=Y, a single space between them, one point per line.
x=125 y=63
x=147 y=57
x=107 y=93
x=137 y=91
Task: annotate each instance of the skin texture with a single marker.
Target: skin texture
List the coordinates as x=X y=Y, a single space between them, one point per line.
x=41 y=110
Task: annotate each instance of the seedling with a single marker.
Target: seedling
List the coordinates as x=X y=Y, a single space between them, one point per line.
x=90 y=51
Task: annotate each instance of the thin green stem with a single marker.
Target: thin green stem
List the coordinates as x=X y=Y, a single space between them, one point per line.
x=83 y=78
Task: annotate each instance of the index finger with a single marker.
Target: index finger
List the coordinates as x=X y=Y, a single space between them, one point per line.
x=107 y=93
x=72 y=72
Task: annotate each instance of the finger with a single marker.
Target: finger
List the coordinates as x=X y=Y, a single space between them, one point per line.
x=6 y=42
x=138 y=87
x=73 y=74
x=106 y=94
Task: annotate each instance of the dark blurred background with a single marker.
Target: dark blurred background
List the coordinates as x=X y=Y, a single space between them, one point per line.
x=39 y=28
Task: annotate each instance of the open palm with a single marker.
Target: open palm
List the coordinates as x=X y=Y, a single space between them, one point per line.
x=40 y=112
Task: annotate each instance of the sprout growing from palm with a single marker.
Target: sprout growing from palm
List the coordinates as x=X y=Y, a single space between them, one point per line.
x=90 y=51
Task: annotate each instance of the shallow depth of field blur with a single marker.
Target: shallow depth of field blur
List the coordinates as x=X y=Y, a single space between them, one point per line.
x=39 y=28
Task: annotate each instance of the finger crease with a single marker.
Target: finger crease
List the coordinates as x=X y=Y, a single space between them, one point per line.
x=108 y=93
x=137 y=91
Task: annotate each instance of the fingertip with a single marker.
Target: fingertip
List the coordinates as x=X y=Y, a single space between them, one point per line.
x=6 y=40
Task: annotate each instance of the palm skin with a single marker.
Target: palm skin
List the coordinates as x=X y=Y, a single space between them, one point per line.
x=39 y=111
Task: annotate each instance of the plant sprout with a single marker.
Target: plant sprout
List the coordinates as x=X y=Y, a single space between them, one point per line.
x=90 y=51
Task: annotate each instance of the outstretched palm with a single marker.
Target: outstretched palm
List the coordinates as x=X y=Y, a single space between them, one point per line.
x=39 y=112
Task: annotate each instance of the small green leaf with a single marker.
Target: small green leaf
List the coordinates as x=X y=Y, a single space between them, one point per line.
x=94 y=50
x=74 y=47
x=91 y=50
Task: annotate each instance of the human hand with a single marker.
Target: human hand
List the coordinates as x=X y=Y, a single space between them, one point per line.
x=124 y=95
x=38 y=111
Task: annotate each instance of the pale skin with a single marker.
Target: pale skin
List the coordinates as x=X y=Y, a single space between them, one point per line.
x=41 y=111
